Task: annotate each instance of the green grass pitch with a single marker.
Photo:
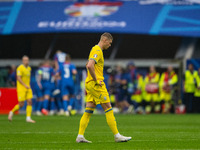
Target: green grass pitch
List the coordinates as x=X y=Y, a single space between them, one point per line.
x=59 y=132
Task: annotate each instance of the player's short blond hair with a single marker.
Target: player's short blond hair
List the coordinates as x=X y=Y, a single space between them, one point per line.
x=25 y=56
x=107 y=35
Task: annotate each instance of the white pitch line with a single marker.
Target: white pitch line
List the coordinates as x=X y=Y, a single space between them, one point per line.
x=50 y=132
x=110 y=141
x=89 y=132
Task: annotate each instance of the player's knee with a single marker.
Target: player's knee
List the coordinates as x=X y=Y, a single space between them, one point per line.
x=106 y=106
x=66 y=97
x=29 y=102
x=46 y=97
x=21 y=104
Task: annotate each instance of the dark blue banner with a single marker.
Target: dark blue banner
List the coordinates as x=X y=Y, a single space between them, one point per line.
x=143 y=17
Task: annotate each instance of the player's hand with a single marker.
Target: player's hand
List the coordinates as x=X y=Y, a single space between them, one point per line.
x=27 y=87
x=98 y=82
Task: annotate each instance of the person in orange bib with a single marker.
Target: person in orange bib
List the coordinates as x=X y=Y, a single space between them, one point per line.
x=167 y=82
x=152 y=90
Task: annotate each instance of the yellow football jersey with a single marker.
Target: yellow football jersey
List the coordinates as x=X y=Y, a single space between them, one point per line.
x=25 y=74
x=97 y=55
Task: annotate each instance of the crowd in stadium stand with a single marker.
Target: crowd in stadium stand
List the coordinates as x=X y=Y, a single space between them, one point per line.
x=130 y=91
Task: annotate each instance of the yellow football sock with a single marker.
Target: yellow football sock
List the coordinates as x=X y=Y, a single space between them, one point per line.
x=85 y=120
x=110 y=118
x=28 y=110
x=15 y=108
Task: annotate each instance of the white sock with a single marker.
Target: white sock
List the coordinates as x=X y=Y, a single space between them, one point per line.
x=80 y=136
x=28 y=118
x=117 y=135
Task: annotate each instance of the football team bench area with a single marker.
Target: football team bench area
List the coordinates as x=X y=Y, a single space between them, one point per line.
x=153 y=131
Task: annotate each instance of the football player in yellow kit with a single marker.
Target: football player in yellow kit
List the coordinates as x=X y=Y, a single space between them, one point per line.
x=24 y=91
x=97 y=92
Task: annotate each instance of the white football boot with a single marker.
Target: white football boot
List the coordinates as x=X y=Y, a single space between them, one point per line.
x=30 y=121
x=130 y=109
x=67 y=113
x=122 y=138
x=69 y=108
x=52 y=112
x=10 y=115
x=61 y=112
x=82 y=140
x=38 y=113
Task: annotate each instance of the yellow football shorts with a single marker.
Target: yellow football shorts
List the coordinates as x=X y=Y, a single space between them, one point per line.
x=96 y=93
x=152 y=97
x=24 y=95
x=137 y=98
x=165 y=96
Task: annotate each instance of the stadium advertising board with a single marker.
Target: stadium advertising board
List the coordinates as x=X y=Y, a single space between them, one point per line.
x=155 y=17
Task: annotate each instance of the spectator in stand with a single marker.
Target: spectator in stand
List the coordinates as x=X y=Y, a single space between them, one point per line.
x=189 y=87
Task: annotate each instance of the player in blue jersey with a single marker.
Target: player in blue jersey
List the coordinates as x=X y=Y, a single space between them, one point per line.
x=125 y=90
x=122 y=78
x=67 y=71
x=59 y=59
x=38 y=90
x=45 y=77
x=52 y=95
x=56 y=94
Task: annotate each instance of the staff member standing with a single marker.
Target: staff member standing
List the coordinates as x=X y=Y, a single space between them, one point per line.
x=152 y=90
x=197 y=94
x=189 y=87
x=167 y=82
